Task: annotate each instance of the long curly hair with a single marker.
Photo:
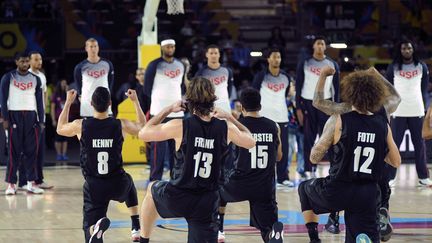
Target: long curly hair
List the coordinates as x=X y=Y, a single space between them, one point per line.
x=200 y=96
x=364 y=90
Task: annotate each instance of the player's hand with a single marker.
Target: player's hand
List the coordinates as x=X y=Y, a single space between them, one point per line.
x=327 y=71
x=430 y=117
x=42 y=126
x=131 y=94
x=300 y=116
x=221 y=114
x=70 y=96
x=5 y=125
x=178 y=106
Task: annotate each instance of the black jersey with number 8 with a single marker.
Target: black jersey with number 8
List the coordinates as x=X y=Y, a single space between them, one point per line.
x=101 y=147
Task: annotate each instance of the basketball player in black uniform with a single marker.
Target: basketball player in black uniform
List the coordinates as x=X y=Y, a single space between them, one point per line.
x=101 y=139
x=253 y=178
x=329 y=107
x=356 y=164
x=201 y=143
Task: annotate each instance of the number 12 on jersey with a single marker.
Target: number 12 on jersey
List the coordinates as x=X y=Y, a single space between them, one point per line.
x=259 y=157
x=367 y=152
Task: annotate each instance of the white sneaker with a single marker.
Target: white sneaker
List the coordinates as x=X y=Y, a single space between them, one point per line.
x=11 y=189
x=313 y=175
x=99 y=230
x=44 y=185
x=33 y=188
x=425 y=182
x=135 y=235
x=392 y=183
x=221 y=237
x=287 y=183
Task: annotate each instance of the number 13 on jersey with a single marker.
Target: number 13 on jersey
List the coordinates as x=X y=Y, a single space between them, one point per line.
x=205 y=171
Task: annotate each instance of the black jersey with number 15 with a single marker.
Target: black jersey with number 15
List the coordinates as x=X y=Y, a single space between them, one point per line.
x=200 y=156
x=359 y=154
x=257 y=164
x=101 y=147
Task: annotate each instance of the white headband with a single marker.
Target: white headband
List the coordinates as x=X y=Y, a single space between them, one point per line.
x=167 y=42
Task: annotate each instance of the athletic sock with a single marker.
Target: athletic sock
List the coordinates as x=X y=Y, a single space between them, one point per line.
x=144 y=240
x=135 y=222
x=221 y=222
x=312 y=230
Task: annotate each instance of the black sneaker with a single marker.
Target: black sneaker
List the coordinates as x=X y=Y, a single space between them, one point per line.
x=386 y=229
x=99 y=229
x=276 y=235
x=315 y=241
x=332 y=225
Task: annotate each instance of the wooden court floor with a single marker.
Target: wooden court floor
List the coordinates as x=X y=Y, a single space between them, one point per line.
x=56 y=216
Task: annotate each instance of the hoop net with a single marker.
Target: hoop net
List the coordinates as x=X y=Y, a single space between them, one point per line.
x=175 y=7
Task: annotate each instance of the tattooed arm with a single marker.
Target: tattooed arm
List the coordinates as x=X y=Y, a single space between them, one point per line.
x=330 y=135
x=329 y=107
x=393 y=98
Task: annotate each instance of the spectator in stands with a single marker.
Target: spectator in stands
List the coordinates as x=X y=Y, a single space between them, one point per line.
x=58 y=100
x=42 y=9
x=9 y=9
x=276 y=39
x=225 y=39
x=295 y=134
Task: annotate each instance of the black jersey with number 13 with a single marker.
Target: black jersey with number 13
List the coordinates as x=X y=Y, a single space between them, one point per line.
x=200 y=156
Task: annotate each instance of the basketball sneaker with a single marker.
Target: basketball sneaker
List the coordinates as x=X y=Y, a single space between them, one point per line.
x=33 y=188
x=386 y=229
x=425 y=182
x=392 y=183
x=135 y=235
x=44 y=185
x=11 y=189
x=286 y=183
x=99 y=230
x=221 y=237
x=363 y=238
x=332 y=225
x=276 y=235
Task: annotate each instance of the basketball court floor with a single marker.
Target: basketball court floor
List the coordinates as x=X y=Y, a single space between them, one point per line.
x=56 y=216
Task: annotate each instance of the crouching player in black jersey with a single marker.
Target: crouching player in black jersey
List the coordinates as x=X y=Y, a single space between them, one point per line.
x=201 y=143
x=359 y=142
x=391 y=103
x=253 y=178
x=101 y=139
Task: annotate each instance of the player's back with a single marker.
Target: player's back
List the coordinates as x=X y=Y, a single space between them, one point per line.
x=359 y=155
x=199 y=158
x=255 y=166
x=101 y=146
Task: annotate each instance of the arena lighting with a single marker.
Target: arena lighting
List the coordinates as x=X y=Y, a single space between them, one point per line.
x=346 y=59
x=256 y=54
x=338 y=45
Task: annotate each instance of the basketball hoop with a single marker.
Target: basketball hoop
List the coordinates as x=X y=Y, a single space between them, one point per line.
x=175 y=7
